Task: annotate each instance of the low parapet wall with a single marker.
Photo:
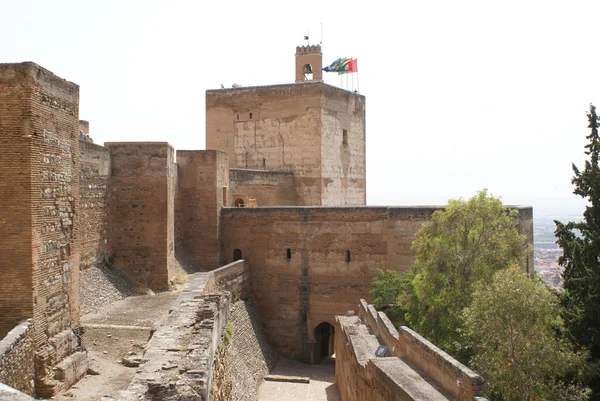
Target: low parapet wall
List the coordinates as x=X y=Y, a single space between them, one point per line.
x=17 y=353
x=178 y=359
x=234 y=277
x=413 y=368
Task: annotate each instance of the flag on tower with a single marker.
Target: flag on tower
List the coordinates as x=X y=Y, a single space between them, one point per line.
x=348 y=67
x=342 y=65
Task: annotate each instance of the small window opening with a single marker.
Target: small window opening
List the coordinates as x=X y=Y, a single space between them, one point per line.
x=264 y=162
x=224 y=196
x=237 y=255
x=348 y=257
x=239 y=202
x=250 y=115
x=288 y=254
x=237 y=116
x=345 y=137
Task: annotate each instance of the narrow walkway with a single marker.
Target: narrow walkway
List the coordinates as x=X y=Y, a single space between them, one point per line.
x=322 y=385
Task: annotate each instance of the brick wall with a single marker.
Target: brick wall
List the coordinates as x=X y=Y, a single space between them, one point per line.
x=40 y=145
x=17 y=355
x=141 y=211
x=16 y=298
x=201 y=179
x=94 y=197
x=298 y=257
x=269 y=188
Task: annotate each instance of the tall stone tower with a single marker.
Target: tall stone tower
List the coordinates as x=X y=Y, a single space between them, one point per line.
x=307 y=137
x=39 y=199
x=309 y=63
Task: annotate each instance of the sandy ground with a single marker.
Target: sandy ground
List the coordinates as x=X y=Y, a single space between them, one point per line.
x=322 y=385
x=110 y=334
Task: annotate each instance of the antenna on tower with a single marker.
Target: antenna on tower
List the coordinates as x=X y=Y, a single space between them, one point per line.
x=321 y=42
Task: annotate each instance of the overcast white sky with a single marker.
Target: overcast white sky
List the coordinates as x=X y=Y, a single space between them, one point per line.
x=460 y=95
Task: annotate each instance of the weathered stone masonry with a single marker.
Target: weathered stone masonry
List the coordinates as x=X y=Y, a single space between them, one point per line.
x=310 y=264
x=94 y=195
x=141 y=211
x=39 y=198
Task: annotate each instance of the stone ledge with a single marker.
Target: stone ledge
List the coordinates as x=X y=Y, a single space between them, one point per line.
x=289 y=379
x=14 y=336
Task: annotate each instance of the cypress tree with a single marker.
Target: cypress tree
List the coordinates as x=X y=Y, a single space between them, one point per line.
x=580 y=242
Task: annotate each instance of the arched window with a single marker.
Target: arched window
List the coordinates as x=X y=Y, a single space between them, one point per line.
x=239 y=202
x=308 y=72
x=237 y=255
x=348 y=256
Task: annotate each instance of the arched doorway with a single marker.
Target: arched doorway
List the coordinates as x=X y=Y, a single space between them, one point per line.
x=237 y=254
x=324 y=346
x=239 y=202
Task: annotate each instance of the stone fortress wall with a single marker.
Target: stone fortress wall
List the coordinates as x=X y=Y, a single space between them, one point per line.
x=94 y=204
x=309 y=264
x=39 y=197
x=310 y=247
x=314 y=130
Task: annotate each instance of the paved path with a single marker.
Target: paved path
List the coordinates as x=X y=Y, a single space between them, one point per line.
x=321 y=388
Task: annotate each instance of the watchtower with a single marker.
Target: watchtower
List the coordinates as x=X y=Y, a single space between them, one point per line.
x=310 y=129
x=309 y=63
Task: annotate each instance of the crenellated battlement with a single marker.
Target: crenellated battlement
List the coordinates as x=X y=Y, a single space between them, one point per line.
x=308 y=49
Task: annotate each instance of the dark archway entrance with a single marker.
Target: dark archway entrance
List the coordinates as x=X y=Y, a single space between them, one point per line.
x=237 y=254
x=324 y=346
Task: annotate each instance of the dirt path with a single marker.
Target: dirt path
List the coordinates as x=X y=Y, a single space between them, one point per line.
x=112 y=333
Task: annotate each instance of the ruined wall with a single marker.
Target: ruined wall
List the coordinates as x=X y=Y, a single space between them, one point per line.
x=343 y=152
x=94 y=197
x=269 y=188
x=40 y=197
x=270 y=128
x=17 y=356
x=310 y=264
x=202 y=190
x=141 y=211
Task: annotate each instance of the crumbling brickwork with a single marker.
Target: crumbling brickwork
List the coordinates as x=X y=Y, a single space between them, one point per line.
x=17 y=358
x=40 y=198
x=94 y=195
x=141 y=211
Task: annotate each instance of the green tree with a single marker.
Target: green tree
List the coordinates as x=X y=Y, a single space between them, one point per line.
x=580 y=242
x=512 y=326
x=464 y=244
